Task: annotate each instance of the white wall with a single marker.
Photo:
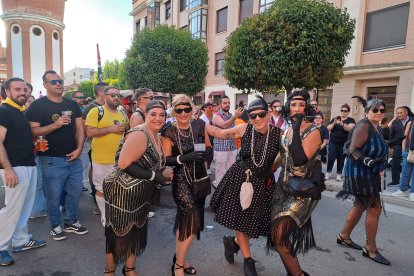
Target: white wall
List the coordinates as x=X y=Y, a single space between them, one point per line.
x=37 y=61
x=17 y=53
x=56 y=53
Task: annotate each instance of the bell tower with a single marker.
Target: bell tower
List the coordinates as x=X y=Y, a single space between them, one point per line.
x=34 y=31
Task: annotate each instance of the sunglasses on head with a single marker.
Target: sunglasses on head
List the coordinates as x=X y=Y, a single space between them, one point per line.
x=375 y=110
x=181 y=110
x=54 y=82
x=344 y=110
x=114 y=95
x=260 y=114
x=148 y=97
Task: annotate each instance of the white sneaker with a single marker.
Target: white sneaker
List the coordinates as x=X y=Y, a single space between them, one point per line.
x=400 y=193
x=411 y=197
x=151 y=214
x=327 y=176
x=339 y=177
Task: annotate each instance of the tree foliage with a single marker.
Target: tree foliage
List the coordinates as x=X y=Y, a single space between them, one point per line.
x=167 y=60
x=295 y=43
x=87 y=88
x=112 y=69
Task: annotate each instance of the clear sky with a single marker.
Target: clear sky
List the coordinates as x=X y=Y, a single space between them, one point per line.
x=90 y=22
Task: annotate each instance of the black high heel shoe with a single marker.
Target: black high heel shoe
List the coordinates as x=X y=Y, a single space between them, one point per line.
x=377 y=258
x=175 y=267
x=188 y=270
x=125 y=270
x=349 y=243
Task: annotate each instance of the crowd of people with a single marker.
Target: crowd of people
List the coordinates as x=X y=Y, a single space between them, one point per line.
x=126 y=149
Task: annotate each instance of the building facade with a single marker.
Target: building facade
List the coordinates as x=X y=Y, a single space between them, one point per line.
x=34 y=31
x=379 y=64
x=78 y=75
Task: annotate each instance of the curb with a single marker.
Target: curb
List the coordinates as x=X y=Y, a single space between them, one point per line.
x=335 y=186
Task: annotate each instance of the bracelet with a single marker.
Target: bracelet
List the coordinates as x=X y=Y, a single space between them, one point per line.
x=367 y=161
x=178 y=160
x=152 y=176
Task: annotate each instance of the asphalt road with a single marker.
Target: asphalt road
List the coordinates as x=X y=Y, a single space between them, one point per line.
x=84 y=254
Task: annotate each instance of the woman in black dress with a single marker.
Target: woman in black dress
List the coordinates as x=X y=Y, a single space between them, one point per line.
x=364 y=169
x=259 y=148
x=179 y=141
x=128 y=189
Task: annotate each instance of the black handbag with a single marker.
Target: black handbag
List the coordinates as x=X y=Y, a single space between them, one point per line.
x=201 y=187
x=302 y=187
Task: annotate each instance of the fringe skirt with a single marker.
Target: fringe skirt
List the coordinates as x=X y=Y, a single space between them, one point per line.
x=190 y=222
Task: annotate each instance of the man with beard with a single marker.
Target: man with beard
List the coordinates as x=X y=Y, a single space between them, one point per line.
x=59 y=120
x=105 y=125
x=79 y=98
x=18 y=172
x=224 y=149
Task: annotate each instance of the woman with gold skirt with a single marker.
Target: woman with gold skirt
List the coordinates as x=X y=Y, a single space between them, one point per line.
x=291 y=226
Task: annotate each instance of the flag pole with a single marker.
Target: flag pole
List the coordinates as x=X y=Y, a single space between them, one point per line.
x=99 y=64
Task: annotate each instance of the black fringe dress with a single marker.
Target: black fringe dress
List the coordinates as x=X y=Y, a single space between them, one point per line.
x=189 y=219
x=128 y=200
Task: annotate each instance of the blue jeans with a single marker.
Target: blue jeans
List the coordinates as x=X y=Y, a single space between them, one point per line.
x=407 y=174
x=39 y=205
x=335 y=151
x=59 y=175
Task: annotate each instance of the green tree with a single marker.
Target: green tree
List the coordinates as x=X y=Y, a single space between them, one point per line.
x=87 y=88
x=167 y=60
x=295 y=43
x=111 y=69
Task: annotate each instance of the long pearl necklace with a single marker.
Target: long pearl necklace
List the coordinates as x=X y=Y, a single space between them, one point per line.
x=182 y=134
x=262 y=160
x=158 y=147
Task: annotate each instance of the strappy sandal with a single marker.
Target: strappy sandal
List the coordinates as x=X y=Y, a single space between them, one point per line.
x=107 y=271
x=376 y=258
x=125 y=270
x=189 y=269
x=175 y=267
x=347 y=242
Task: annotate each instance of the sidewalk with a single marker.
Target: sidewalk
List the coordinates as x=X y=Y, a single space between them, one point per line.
x=336 y=186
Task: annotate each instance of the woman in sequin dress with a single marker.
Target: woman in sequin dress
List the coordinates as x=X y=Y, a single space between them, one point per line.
x=128 y=189
x=364 y=169
x=291 y=226
x=259 y=148
x=178 y=142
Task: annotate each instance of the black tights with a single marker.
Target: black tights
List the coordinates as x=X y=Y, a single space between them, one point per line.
x=372 y=207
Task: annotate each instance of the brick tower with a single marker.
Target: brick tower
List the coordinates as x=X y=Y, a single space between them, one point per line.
x=34 y=39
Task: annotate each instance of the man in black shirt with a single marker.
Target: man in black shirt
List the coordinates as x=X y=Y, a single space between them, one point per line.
x=60 y=120
x=397 y=130
x=18 y=172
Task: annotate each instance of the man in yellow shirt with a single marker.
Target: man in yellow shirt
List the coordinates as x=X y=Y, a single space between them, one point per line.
x=105 y=125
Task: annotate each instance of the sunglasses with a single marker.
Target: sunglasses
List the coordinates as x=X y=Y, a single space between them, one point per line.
x=54 y=82
x=80 y=97
x=261 y=115
x=344 y=110
x=275 y=106
x=375 y=110
x=181 y=110
x=114 y=95
x=314 y=105
x=149 y=98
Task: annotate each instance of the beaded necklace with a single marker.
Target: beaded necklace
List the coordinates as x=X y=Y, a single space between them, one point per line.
x=262 y=160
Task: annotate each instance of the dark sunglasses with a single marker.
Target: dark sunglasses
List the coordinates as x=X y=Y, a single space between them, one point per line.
x=149 y=98
x=314 y=105
x=181 y=110
x=114 y=95
x=80 y=97
x=54 y=82
x=375 y=110
x=261 y=115
x=344 y=110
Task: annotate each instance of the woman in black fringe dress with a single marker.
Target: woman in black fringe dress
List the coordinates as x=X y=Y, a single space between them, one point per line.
x=364 y=169
x=128 y=189
x=178 y=140
x=291 y=227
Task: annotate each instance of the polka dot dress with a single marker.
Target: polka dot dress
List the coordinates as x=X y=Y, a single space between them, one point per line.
x=225 y=202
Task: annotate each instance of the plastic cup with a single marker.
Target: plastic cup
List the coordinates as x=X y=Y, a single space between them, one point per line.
x=67 y=113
